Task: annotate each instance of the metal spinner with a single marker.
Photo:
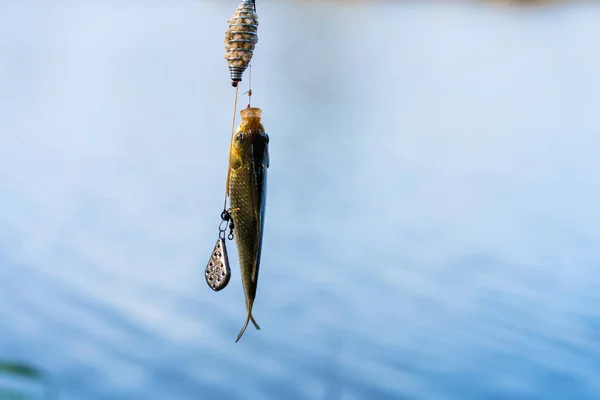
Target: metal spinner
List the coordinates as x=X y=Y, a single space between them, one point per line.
x=240 y=39
x=217 y=272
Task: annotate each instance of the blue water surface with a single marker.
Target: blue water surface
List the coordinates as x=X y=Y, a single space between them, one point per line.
x=432 y=223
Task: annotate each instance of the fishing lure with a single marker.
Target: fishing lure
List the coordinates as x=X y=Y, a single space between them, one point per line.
x=240 y=39
x=217 y=271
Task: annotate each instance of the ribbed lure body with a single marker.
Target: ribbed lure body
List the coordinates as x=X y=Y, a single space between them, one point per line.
x=240 y=39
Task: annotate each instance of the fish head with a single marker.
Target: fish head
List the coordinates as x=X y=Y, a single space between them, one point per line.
x=250 y=142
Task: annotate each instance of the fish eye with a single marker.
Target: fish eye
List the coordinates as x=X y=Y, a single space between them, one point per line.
x=266 y=138
x=239 y=137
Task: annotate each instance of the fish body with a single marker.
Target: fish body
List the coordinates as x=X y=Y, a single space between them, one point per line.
x=247 y=190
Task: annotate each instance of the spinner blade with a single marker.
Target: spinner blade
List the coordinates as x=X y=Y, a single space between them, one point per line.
x=217 y=272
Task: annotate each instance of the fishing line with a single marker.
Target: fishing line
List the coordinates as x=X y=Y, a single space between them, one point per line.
x=249 y=91
x=229 y=157
x=249 y=85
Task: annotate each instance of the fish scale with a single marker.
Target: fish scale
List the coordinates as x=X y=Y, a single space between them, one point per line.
x=243 y=216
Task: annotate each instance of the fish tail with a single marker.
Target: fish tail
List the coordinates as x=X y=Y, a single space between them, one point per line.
x=254 y=322
x=248 y=319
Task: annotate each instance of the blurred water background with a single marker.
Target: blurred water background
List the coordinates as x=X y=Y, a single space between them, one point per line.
x=432 y=220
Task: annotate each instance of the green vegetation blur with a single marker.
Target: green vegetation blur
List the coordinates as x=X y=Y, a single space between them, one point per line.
x=17 y=381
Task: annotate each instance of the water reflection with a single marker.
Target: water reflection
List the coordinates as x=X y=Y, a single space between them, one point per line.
x=431 y=221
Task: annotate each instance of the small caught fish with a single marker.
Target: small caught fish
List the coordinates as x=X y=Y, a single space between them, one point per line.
x=247 y=189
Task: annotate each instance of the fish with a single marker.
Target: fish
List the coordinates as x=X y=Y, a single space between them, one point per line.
x=247 y=191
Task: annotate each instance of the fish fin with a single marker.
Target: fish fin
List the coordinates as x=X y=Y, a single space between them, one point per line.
x=234 y=160
x=230 y=155
x=266 y=158
x=256 y=222
x=227 y=183
x=254 y=322
x=248 y=319
x=257 y=184
x=256 y=250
